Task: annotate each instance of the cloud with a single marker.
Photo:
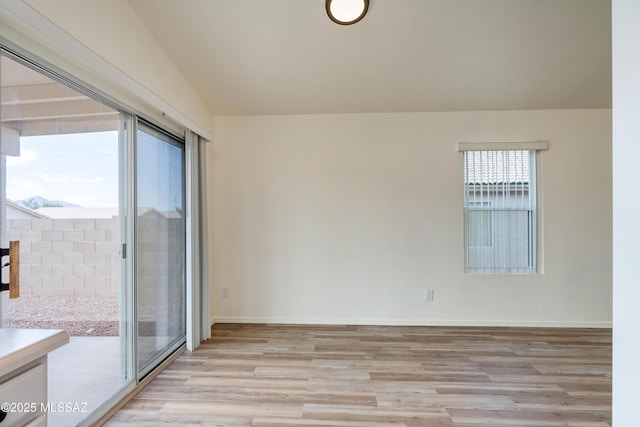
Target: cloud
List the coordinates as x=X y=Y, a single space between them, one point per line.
x=113 y=152
x=67 y=178
x=21 y=189
x=26 y=157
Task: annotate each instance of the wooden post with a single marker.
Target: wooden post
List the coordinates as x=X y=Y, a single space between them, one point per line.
x=14 y=269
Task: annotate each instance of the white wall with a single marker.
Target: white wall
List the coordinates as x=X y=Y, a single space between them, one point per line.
x=626 y=205
x=349 y=218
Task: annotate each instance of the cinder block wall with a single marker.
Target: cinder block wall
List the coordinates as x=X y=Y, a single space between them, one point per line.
x=160 y=273
x=71 y=257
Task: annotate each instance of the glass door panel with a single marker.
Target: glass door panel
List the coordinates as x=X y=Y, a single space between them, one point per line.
x=160 y=246
x=62 y=203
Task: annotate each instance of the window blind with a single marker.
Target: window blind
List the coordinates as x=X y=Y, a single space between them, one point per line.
x=500 y=210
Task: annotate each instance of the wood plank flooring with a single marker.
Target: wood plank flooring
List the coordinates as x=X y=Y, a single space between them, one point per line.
x=383 y=376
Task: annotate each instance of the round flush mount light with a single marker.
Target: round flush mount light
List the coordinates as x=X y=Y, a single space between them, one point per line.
x=346 y=12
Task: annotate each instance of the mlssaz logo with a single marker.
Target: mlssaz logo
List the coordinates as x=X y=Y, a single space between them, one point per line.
x=65 y=407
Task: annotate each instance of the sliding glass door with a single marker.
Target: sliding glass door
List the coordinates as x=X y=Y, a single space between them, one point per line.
x=61 y=199
x=160 y=246
x=97 y=199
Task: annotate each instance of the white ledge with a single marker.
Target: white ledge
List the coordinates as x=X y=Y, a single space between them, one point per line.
x=501 y=146
x=19 y=347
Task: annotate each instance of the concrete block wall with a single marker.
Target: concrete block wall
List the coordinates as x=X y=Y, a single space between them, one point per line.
x=160 y=273
x=70 y=257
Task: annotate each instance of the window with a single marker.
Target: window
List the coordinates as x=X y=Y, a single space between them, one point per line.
x=480 y=227
x=500 y=208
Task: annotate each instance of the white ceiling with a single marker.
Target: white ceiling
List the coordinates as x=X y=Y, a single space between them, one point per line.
x=287 y=57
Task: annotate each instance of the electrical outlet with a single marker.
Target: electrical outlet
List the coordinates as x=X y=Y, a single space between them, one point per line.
x=225 y=292
x=428 y=294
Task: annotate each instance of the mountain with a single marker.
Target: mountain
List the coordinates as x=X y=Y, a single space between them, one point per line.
x=40 y=202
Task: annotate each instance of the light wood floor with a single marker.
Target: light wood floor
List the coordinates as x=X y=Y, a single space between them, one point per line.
x=370 y=376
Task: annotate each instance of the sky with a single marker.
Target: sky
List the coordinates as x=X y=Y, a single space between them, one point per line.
x=77 y=168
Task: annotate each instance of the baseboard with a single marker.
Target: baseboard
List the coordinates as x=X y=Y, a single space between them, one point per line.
x=416 y=322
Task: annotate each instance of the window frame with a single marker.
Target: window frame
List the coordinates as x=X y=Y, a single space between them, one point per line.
x=533 y=212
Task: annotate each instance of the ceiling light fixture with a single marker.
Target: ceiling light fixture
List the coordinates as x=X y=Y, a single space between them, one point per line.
x=346 y=12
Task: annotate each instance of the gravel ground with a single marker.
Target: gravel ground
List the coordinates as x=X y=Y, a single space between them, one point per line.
x=80 y=316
